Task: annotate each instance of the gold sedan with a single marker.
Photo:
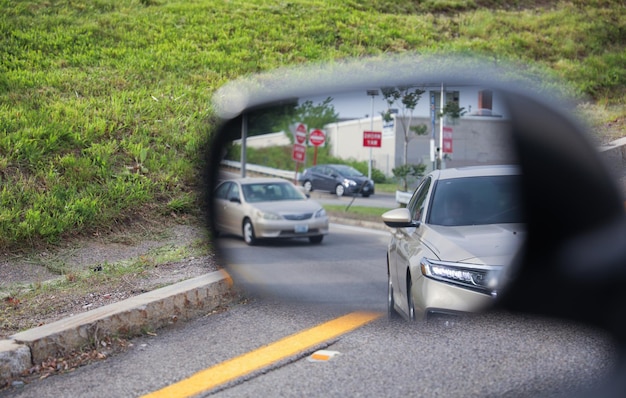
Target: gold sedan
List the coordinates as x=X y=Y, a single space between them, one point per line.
x=267 y=208
x=449 y=245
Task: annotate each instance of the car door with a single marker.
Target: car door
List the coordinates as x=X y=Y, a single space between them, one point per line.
x=408 y=245
x=325 y=180
x=228 y=208
x=316 y=177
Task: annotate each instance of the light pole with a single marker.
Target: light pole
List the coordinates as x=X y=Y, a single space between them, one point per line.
x=442 y=105
x=371 y=93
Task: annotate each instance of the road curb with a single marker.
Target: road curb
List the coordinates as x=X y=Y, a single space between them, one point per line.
x=359 y=223
x=149 y=311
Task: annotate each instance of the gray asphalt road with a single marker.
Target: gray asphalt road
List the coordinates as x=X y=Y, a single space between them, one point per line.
x=387 y=200
x=297 y=286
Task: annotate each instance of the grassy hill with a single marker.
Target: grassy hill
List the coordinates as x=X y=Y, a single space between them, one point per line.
x=104 y=104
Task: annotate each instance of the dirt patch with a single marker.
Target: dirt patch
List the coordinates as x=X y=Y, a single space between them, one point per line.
x=62 y=281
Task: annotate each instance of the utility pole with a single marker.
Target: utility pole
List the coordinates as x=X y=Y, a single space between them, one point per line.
x=244 y=136
x=442 y=105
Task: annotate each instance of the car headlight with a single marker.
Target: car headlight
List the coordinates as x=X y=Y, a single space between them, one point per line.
x=348 y=182
x=267 y=215
x=320 y=213
x=474 y=277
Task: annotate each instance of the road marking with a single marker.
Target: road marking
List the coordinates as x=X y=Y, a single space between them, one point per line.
x=267 y=355
x=322 y=356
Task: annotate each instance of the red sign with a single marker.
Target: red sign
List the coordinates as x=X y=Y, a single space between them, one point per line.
x=447 y=140
x=372 y=138
x=299 y=153
x=317 y=137
x=300 y=133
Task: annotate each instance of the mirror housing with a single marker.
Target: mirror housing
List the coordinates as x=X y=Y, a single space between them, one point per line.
x=571 y=267
x=399 y=218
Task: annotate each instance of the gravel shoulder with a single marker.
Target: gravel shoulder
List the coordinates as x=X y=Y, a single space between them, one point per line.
x=85 y=274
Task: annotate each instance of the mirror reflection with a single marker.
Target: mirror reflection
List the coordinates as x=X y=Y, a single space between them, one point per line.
x=399 y=198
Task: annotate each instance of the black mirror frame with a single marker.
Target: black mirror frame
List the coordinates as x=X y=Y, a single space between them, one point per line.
x=570 y=267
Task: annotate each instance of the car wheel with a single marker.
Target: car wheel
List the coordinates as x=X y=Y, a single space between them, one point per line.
x=248 y=233
x=339 y=190
x=410 y=299
x=391 y=310
x=316 y=239
x=307 y=186
x=365 y=195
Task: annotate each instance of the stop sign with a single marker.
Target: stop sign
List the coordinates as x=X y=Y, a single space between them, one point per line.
x=300 y=133
x=317 y=137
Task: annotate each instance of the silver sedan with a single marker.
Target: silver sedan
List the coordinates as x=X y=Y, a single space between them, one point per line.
x=263 y=208
x=449 y=245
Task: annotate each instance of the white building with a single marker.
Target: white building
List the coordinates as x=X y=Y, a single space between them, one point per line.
x=481 y=136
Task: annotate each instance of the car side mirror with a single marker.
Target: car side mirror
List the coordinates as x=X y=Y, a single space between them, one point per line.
x=569 y=268
x=399 y=218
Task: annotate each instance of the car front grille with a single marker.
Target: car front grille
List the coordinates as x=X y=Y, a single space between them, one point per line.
x=297 y=217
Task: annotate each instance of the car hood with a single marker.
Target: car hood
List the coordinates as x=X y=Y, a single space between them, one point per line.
x=493 y=244
x=288 y=206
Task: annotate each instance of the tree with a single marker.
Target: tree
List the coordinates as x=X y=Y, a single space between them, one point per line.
x=405 y=99
x=453 y=111
x=316 y=116
x=313 y=115
x=408 y=172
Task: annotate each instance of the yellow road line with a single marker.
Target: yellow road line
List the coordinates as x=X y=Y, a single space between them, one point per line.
x=247 y=363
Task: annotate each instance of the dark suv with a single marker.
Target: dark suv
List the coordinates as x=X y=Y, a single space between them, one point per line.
x=337 y=178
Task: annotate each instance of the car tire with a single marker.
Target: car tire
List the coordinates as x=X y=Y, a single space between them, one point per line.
x=316 y=239
x=339 y=190
x=411 y=303
x=365 y=195
x=307 y=186
x=248 y=233
x=391 y=305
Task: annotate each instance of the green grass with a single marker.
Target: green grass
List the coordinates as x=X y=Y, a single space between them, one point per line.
x=387 y=188
x=356 y=212
x=104 y=105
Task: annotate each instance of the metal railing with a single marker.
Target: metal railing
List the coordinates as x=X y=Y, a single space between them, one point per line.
x=401 y=197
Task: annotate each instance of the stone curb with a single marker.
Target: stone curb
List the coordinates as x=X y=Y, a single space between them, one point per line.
x=149 y=311
x=359 y=223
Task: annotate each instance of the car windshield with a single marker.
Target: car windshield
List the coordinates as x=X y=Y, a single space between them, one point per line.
x=271 y=191
x=476 y=201
x=348 y=171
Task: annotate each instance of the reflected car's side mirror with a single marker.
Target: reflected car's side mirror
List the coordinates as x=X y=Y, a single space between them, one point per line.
x=399 y=218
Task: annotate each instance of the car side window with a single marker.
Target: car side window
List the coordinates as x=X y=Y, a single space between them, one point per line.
x=234 y=192
x=418 y=200
x=222 y=191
